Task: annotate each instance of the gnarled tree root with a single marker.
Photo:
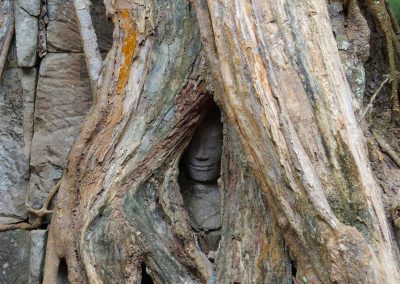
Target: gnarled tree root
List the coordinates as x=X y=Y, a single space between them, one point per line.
x=393 y=19
x=386 y=147
x=52 y=262
x=40 y=213
x=382 y=14
x=371 y=101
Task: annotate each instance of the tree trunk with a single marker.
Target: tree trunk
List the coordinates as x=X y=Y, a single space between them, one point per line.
x=299 y=202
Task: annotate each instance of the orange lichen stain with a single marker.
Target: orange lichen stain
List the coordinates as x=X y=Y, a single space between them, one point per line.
x=128 y=48
x=129 y=37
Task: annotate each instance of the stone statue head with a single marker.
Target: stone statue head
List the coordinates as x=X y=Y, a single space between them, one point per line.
x=203 y=155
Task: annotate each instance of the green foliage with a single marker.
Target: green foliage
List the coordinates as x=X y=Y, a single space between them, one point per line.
x=395 y=4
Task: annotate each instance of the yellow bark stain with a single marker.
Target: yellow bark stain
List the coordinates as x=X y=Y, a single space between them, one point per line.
x=128 y=48
x=129 y=43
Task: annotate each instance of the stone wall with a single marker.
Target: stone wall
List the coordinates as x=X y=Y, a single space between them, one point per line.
x=22 y=256
x=44 y=97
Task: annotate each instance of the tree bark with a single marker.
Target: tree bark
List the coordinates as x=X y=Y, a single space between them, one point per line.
x=286 y=90
x=299 y=199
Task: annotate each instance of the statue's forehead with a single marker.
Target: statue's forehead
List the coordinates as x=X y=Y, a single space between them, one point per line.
x=209 y=124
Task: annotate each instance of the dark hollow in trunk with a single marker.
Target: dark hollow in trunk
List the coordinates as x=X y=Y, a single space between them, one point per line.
x=199 y=172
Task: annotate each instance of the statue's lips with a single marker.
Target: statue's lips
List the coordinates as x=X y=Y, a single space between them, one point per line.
x=202 y=167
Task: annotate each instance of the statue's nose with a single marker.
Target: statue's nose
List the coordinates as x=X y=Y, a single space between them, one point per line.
x=202 y=155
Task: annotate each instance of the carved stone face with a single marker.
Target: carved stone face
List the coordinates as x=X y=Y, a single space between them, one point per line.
x=203 y=155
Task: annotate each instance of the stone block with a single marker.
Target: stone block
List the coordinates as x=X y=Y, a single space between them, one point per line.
x=63 y=98
x=12 y=55
x=32 y=7
x=16 y=125
x=14 y=257
x=63 y=33
x=22 y=256
x=26 y=33
x=62 y=30
x=37 y=254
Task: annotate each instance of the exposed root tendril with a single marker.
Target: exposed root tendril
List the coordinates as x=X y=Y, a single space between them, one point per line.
x=383 y=16
x=39 y=213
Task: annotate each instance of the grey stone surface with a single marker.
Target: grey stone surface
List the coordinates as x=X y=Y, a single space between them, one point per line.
x=62 y=30
x=203 y=203
x=62 y=101
x=16 y=117
x=102 y=25
x=12 y=55
x=200 y=191
x=28 y=82
x=14 y=257
x=202 y=157
x=37 y=253
x=22 y=256
x=26 y=31
x=32 y=7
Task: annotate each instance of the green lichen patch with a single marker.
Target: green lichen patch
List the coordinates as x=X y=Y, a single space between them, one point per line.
x=349 y=202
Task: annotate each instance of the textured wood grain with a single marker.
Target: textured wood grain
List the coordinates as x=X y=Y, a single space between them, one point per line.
x=119 y=175
x=286 y=90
